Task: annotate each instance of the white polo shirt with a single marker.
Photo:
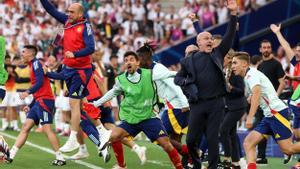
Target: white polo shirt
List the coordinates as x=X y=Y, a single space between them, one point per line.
x=269 y=99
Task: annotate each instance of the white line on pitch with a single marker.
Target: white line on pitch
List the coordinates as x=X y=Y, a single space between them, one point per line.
x=89 y=165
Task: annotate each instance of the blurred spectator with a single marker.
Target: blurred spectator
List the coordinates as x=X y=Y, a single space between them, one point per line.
x=222 y=13
x=158 y=26
x=171 y=19
x=130 y=26
x=176 y=34
x=138 y=12
x=282 y=58
x=117 y=23
x=208 y=17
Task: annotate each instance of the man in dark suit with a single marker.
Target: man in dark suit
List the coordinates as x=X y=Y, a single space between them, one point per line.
x=201 y=77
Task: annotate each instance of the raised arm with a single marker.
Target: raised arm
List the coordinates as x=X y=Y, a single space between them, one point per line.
x=59 y=16
x=89 y=43
x=286 y=46
x=228 y=39
x=236 y=42
x=115 y=91
x=196 y=23
x=55 y=75
x=161 y=72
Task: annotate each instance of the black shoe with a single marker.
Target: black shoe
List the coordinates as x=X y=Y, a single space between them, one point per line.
x=8 y=160
x=58 y=162
x=185 y=160
x=287 y=159
x=235 y=167
x=220 y=166
x=226 y=164
x=261 y=161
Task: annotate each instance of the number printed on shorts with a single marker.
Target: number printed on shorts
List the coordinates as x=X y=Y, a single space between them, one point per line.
x=45 y=116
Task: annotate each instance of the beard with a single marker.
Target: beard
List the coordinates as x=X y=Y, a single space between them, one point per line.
x=266 y=54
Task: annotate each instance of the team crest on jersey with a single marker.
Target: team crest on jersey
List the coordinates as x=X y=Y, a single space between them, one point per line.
x=248 y=76
x=79 y=29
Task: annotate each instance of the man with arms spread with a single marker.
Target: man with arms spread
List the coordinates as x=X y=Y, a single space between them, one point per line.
x=137 y=108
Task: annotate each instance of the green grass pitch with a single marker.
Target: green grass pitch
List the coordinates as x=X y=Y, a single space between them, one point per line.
x=32 y=158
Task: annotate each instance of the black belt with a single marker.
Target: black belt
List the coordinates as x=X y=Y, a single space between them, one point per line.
x=211 y=98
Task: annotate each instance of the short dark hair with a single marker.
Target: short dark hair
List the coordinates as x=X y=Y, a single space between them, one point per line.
x=298 y=44
x=113 y=57
x=53 y=57
x=145 y=51
x=33 y=48
x=265 y=41
x=242 y=56
x=255 y=59
x=128 y=53
x=7 y=56
x=17 y=58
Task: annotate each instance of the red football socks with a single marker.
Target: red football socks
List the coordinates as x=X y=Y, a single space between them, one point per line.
x=175 y=158
x=251 y=166
x=119 y=153
x=184 y=149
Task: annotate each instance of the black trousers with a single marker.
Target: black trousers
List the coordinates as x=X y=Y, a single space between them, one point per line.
x=205 y=118
x=228 y=134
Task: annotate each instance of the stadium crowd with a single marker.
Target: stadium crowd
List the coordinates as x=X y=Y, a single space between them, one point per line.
x=119 y=27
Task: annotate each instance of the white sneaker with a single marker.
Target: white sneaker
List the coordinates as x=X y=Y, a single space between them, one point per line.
x=4 y=127
x=16 y=129
x=69 y=146
x=243 y=163
x=80 y=155
x=104 y=138
x=105 y=154
x=116 y=166
x=141 y=152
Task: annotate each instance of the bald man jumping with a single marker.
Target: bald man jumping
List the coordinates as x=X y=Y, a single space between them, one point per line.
x=78 y=44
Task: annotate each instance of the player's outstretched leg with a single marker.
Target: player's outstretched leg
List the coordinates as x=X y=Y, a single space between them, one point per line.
x=22 y=137
x=4 y=150
x=82 y=151
x=59 y=161
x=250 y=142
x=165 y=143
